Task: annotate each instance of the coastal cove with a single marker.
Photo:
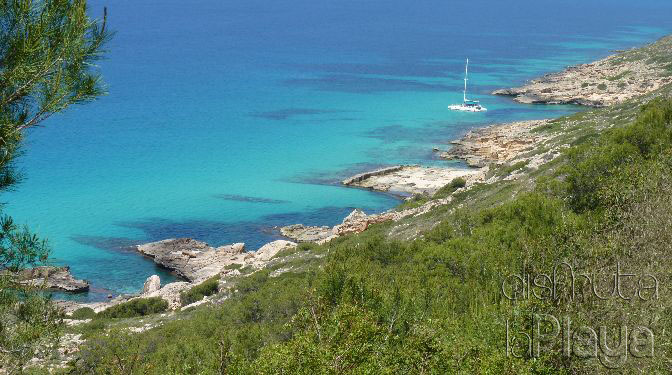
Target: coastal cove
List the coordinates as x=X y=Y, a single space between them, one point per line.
x=508 y=159
x=223 y=147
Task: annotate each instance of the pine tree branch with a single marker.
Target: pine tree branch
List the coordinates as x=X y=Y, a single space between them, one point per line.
x=23 y=90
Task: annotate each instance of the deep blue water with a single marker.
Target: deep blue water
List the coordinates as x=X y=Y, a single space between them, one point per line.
x=226 y=118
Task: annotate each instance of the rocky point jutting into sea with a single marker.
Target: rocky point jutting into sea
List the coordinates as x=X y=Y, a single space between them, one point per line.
x=407 y=180
x=53 y=278
x=605 y=82
x=608 y=81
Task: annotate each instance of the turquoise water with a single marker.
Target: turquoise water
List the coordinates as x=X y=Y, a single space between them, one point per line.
x=225 y=119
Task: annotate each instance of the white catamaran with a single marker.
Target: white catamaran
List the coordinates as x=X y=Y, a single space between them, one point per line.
x=467 y=105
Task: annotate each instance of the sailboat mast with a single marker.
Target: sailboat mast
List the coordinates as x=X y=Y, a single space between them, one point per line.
x=468 y=105
x=466 y=73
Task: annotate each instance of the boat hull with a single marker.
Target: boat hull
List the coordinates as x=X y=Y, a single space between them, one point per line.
x=464 y=108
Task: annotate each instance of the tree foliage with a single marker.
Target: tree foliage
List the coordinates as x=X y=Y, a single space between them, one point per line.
x=47 y=52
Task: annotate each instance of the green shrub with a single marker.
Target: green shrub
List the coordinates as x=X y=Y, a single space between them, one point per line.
x=458 y=183
x=83 y=313
x=593 y=164
x=301 y=247
x=136 y=307
x=668 y=70
x=619 y=76
x=416 y=200
x=602 y=86
x=247 y=269
x=196 y=293
x=507 y=170
x=94 y=327
x=449 y=189
x=234 y=266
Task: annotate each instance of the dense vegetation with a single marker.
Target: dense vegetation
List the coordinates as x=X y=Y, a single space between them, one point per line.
x=47 y=52
x=449 y=189
x=136 y=307
x=198 y=292
x=440 y=303
x=83 y=313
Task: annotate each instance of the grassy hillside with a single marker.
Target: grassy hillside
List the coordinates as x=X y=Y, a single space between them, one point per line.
x=430 y=294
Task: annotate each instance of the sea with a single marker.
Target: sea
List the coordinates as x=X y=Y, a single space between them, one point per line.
x=226 y=119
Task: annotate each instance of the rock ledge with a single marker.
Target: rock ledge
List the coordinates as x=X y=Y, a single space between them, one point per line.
x=54 y=278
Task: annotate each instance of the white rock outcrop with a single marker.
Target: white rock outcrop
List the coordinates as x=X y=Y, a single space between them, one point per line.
x=152 y=284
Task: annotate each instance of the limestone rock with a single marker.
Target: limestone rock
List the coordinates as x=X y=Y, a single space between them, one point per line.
x=152 y=284
x=55 y=278
x=191 y=259
x=496 y=144
x=302 y=233
x=269 y=250
x=238 y=247
x=171 y=293
x=356 y=222
x=409 y=179
x=358 y=178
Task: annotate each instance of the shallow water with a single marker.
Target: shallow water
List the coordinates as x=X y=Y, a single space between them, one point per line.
x=226 y=118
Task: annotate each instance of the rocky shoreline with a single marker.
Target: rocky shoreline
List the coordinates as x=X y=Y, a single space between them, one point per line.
x=52 y=278
x=496 y=144
x=408 y=180
x=605 y=82
x=479 y=148
x=195 y=262
x=357 y=222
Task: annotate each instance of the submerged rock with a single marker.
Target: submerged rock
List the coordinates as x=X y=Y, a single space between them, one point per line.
x=54 y=278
